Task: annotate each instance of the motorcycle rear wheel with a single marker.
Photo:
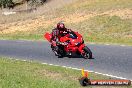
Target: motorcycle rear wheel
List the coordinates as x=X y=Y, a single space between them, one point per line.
x=54 y=50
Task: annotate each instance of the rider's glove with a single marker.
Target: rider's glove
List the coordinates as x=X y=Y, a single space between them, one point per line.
x=69 y=30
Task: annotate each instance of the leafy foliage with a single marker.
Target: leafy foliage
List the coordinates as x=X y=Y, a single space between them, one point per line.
x=10 y=4
x=35 y=3
x=7 y=4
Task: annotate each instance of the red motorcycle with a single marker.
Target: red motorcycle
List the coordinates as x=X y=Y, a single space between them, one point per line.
x=72 y=43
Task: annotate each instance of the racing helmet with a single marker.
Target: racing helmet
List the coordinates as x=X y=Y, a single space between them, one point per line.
x=61 y=26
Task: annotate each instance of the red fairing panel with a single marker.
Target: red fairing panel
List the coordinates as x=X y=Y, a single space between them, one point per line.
x=80 y=49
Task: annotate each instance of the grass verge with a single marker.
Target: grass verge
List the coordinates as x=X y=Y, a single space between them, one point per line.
x=21 y=74
x=98 y=21
x=99 y=29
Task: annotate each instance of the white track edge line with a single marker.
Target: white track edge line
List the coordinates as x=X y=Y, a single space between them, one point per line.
x=81 y=69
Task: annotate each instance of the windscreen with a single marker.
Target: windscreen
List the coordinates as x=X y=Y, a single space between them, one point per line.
x=72 y=35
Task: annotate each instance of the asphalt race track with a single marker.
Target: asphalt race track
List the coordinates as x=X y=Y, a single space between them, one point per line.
x=112 y=59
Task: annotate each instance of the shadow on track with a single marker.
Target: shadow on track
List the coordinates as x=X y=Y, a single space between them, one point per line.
x=75 y=56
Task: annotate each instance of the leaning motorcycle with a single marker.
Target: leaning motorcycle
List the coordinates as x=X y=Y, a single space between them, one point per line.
x=72 y=43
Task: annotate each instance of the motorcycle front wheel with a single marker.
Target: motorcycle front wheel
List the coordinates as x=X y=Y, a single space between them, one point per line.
x=87 y=53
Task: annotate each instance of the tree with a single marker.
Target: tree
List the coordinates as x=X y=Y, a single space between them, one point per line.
x=35 y=3
x=42 y=1
x=7 y=4
x=10 y=4
x=0 y=5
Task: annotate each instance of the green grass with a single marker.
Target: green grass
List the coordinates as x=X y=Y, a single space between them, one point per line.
x=99 y=29
x=106 y=29
x=86 y=6
x=103 y=28
x=21 y=74
x=22 y=37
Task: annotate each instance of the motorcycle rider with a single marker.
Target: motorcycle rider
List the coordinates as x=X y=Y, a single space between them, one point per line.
x=57 y=33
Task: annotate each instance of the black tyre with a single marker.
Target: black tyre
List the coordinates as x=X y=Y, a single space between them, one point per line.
x=87 y=53
x=61 y=52
x=60 y=55
x=54 y=50
x=84 y=81
x=69 y=54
